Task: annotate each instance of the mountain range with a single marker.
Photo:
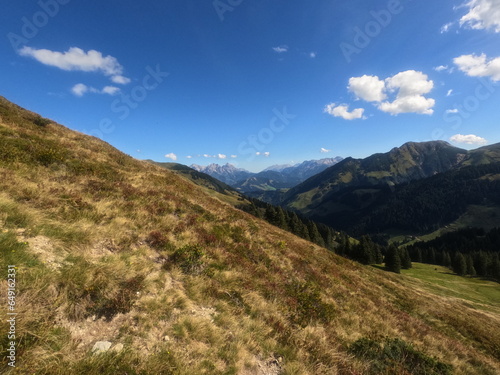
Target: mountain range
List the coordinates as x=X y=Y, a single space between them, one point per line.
x=271 y=179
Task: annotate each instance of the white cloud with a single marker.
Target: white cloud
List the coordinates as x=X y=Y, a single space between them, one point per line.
x=449 y=92
x=281 y=49
x=479 y=66
x=483 y=14
x=267 y=154
x=325 y=151
x=171 y=156
x=80 y=89
x=343 y=111
x=76 y=59
x=369 y=88
x=110 y=90
x=406 y=89
x=446 y=27
x=411 y=86
x=469 y=139
x=409 y=104
x=189 y=157
x=221 y=156
x=121 y=80
x=410 y=83
x=441 y=68
x=234 y=156
x=312 y=55
x=452 y=110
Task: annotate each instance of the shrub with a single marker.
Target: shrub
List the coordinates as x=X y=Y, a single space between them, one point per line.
x=189 y=258
x=157 y=240
x=395 y=356
x=41 y=121
x=309 y=305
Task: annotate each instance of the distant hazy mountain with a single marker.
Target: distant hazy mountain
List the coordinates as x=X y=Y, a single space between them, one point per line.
x=271 y=179
x=227 y=173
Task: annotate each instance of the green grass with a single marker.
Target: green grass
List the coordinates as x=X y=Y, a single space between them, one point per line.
x=483 y=294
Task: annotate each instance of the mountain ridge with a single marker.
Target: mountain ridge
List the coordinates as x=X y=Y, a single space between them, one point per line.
x=269 y=179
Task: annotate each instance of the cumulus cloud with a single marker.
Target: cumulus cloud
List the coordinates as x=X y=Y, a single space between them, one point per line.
x=369 y=88
x=171 y=156
x=410 y=83
x=221 y=156
x=280 y=49
x=76 y=59
x=452 y=110
x=234 y=156
x=343 y=111
x=449 y=92
x=409 y=104
x=325 y=151
x=479 y=66
x=411 y=86
x=483 y=14
x=469 y=139
x=81 y=89
x=407 y=90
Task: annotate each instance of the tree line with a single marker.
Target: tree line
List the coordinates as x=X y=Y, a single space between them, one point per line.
x=470 y=251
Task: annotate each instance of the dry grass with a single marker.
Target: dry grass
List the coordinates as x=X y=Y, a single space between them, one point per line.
x=125 y=251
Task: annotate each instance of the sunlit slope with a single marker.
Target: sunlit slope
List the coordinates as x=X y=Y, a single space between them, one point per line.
x=109 y=248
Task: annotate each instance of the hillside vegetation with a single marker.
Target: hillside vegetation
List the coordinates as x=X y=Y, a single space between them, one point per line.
x=108 y=248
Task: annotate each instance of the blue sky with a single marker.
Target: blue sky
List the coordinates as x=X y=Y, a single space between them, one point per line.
x=258 y=82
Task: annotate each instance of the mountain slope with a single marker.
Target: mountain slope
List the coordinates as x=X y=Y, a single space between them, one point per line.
x=366 y=195
x=409 y=162
x=109 y=248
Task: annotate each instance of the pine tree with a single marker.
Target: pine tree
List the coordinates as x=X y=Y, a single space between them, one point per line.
x=379 y=258
x=459 y=264
x=314 y=234
x=418 y=258
x=281 y=221
x=481 y=263
x=392 y=260
x=405 y=258
x=470 y=266
x=446 y=259
x=296 y=226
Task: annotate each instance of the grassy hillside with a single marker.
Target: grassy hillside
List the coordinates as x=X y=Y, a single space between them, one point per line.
x=482 y=294
x=108 y=248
